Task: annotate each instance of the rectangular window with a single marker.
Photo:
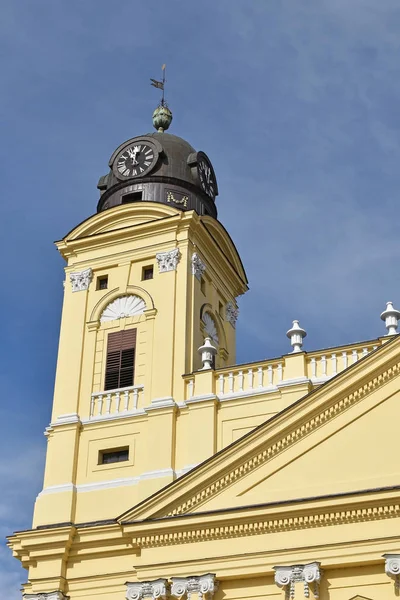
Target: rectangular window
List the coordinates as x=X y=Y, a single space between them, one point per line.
x=112 y=456
x=133 y=197
x=147 y=273
x=120 y=362
x=102 y=282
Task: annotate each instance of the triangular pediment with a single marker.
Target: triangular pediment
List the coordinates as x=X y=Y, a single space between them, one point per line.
x=337 y=441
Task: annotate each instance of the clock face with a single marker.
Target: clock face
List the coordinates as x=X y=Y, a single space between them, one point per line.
x=207 y=178
x=135 y=160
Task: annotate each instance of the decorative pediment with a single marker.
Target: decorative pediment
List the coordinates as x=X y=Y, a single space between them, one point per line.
x=331 y=426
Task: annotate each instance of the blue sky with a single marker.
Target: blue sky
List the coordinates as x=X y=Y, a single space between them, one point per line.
x=297 y=104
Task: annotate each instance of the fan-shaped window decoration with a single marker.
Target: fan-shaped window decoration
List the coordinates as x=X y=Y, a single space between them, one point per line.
x=126 y=306
x=210 y=328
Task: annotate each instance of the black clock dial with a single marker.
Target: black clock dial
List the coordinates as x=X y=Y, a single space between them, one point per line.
x=135 y=160
x=206 y=176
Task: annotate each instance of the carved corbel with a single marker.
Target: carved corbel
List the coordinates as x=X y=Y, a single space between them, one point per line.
x=80 y=281
x=147 y=589
x=203 y=585
x=392 y=568
x=287 y=576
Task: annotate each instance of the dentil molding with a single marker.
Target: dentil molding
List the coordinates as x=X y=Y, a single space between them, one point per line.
x=287 y=577
x=80 y=280
x=201 y=585
x=147 y=589
x=168 y=261
x=198 y=267
x=45 y=596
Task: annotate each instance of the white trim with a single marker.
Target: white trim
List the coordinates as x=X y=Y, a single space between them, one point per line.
x=201 y=398
x=157 y=474
x=113 y=417
x=108 y=484
x=156 y=403
x=186 y=469
x=295 y=381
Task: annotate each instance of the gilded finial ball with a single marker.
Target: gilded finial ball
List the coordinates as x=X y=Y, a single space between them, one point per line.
x=162 y=118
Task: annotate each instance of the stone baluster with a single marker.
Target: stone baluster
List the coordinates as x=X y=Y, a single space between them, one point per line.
x=230 y=382
x=270 y=375
x=135 y=398
x=117 y=401
x=313 y=368
x=99 y=404
x=323 y=365
x=345 y=363
x=147 y=589
x=334 y=364
x=202 y=585
x=191 y=387
x=280 y=372
x=260 y=376
x=108 y=404
x=126 y=400
x=287 y=576
x=221 y=384
x=92 y=405
x=240 y=381
x=250 y=377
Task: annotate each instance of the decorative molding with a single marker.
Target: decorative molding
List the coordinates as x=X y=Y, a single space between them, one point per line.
x=80 y=280
x=198 y=267
x=210 y=327
x=201 y=585
x=168 y=261
x=231 y=314
x=45 y=596
x=289 y=438
x=147 y=589
x=287 y=577
x=392 y=568
x=125 y=306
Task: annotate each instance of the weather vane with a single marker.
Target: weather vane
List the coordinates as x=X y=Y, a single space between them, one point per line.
x=160 y=85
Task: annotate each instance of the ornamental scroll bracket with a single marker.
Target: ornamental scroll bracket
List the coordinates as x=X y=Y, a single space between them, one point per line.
x=287 y=577
x=231 y=314
x=202 y=585
x=392 y=568
x=147 y=589
x=80 y=281
x=168 y=261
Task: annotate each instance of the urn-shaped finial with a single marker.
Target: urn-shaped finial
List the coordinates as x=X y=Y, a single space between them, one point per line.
x=207 y=353
x=296 y=334
x=391 y=317
x=162 y=118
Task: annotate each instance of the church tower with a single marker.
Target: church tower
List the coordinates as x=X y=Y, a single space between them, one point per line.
x=148 y=278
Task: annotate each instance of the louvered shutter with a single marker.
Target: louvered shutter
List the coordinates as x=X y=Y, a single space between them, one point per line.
x=120 y=363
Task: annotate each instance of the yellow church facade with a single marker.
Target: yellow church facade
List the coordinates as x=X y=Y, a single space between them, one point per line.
x=173 y=472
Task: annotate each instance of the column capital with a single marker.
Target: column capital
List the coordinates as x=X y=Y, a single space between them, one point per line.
x=287 y=577
x=158 y=588
x=57 y=595
x=195 y=584
x=392 y=568
x=80 y=280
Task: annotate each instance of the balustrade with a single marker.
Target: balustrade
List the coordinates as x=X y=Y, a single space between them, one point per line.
x=115 y=402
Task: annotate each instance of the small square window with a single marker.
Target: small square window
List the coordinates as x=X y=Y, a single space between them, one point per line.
x=102 y=282
x=203 y=285
x=147 y=272
x=107 y=457
x=133 y=197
